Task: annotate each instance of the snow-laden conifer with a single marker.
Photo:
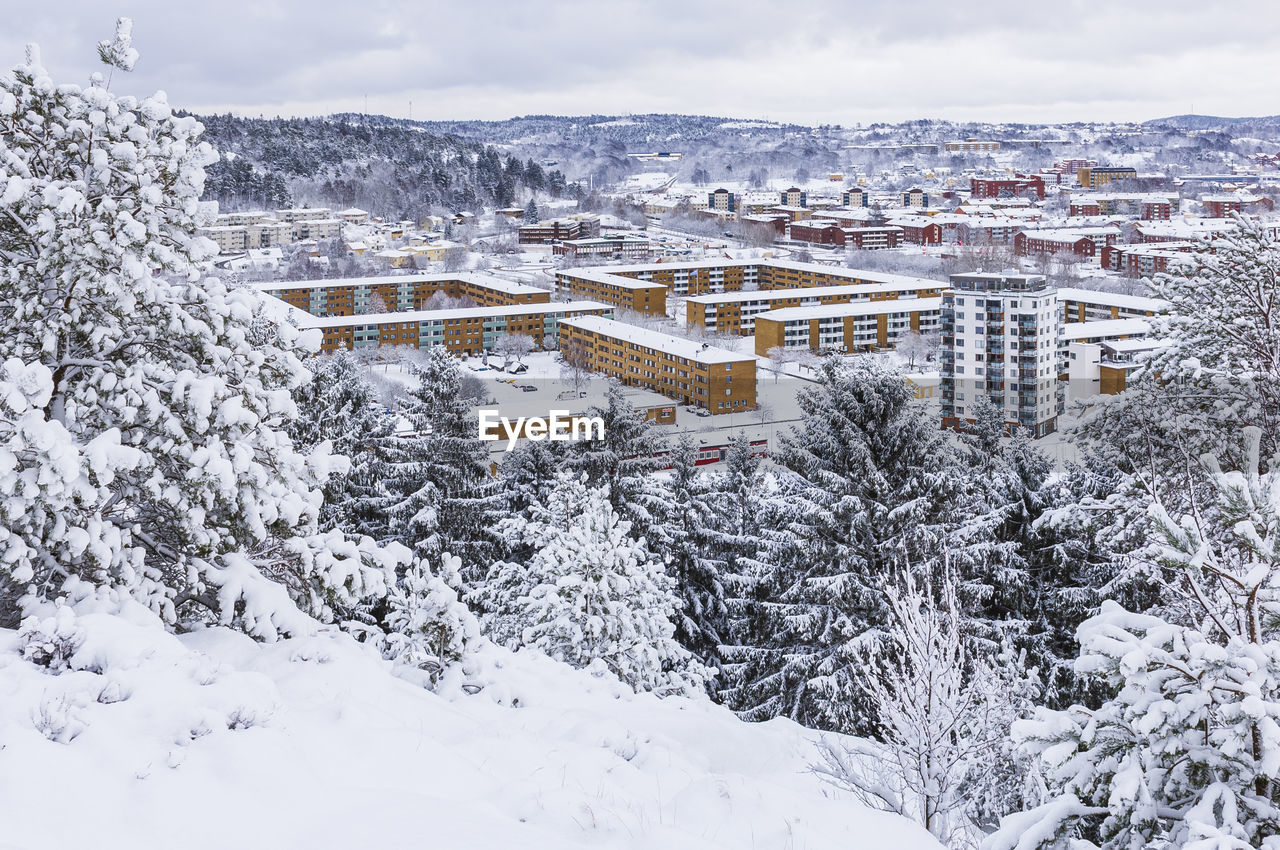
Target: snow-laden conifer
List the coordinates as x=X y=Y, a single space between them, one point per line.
x=591 y=595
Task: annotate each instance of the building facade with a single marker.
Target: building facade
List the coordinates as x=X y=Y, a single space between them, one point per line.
x=999 y=336
x=715 y=379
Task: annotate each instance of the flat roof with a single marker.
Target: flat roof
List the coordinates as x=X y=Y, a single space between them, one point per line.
x=657 y=340
x=1112 y=299
x=487 y=281
x=1105 y=328
x=905 y=285
x=854 y=308
x=307 y=320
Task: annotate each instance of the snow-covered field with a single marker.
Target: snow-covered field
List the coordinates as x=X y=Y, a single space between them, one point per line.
x=210 y=740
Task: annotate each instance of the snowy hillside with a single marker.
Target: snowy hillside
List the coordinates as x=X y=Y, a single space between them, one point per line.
x=330 y=750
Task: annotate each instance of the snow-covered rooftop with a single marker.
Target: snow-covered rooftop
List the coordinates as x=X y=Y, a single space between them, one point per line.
x=1112 y=299
x=1105 y=328
x=306 y=320
x=854 y=308
x=487 y=281
x=674 y=345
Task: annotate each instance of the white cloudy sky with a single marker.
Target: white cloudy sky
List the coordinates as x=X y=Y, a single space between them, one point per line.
x=809 y=61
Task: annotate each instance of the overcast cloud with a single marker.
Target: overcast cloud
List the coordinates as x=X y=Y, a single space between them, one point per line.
x=810 y=61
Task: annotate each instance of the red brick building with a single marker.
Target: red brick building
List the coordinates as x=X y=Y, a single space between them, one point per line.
x=1016 y=186
x=1086 y=242
x=1220 y=206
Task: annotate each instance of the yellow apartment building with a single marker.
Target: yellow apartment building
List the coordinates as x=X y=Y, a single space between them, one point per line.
x=621 y=292
x=352 y=296
x=846 y=328
x=464 y=331
x=715 y=379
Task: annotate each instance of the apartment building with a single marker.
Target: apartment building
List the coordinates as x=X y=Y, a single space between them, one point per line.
x=1221 y=206
x=621 y=292
x=827 y=232
x=1093 y=176
x=714 y=379
x=617 y=245
x=1082 y=241
x=872 y=238
x=735 y=312
x=1088 y=305
x=462 y=331
x=848 y=327
x=915 y=197
x=360 y=295
x=723 y=200
x=1145 y=260
x=1097 y=331
x=855 y=198
x=793 y=197
x=917 y=229
x=1007 y=187
x=1146 y=206
x=1105 y=367
x=1000 y=340
x=558 y=229
x=972 y=144
x=988 y=230
x=304 y=214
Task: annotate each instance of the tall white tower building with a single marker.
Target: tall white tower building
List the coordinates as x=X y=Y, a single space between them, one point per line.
x=1000 y=339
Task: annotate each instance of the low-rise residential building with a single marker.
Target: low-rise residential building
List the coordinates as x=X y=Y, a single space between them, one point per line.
x=1093 y=176
x=1221 y=206
x=715 y=379
x=735 y=312
x=1105 y=367
x=354 y=296
x=917 y=229
x=1089 y=305
x=1007 y=187
x=1083 y=241
x=462 y=331
x=558 y=230
x=304 y=214
x=622 y=246
x=972 y=144
x=845 y=328
x=1146 y=259
x=1145 y=205
x=616 y=290
x=999 y=340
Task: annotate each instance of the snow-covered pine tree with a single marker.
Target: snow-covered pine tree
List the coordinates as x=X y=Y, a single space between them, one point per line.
x=865 y=489
x=1220 y=366
x=340 y=407
x=531 y=212
x=688 y=520
x=591 y=595
x=142 y=449
x=624 y=462
x=440 y=495
x=428 y=628
x=1012 y=585
x=1184 y=752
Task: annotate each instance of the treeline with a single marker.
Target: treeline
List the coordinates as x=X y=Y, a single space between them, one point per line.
x=390 y=168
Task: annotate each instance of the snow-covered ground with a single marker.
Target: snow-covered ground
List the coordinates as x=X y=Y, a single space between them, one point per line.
x=210 y=740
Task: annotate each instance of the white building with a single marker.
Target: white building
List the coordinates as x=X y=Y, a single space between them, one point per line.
x=1000 y=340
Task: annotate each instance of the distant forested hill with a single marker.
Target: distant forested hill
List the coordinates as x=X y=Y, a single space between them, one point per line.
x=389 y=167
